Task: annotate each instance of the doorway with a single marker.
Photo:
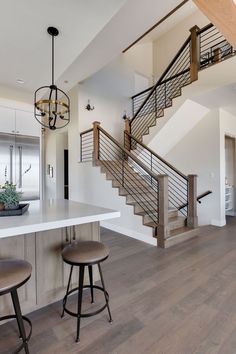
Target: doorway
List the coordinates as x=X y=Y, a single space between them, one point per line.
x=66 y=174
x=230 y=176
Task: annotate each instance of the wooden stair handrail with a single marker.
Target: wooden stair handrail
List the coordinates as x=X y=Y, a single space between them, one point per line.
x=86 y=131
x=133 y=157
x=205 y=28
x=157 y=156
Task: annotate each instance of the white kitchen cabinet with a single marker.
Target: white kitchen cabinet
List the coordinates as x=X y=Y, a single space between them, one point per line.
x=7 y=120
x=13 y=121
x=26 y=124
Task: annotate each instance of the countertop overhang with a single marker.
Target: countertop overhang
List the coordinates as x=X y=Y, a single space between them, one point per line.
x=52 y=214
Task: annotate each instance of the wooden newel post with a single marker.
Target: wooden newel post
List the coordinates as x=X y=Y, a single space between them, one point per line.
x=96 y=126
x=192 y=220
x=194 y=53
x=163 y=205
x=127 y=137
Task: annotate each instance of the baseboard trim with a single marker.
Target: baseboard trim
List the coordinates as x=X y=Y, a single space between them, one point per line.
x=127 y=232
x=219 y=223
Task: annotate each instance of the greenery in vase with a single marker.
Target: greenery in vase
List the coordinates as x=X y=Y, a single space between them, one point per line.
x=8 y=195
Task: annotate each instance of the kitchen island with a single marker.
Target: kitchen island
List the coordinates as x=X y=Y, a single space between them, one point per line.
x=38 y=236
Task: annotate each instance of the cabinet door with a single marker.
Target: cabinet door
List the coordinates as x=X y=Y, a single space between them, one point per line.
x=26 y=124
x=51 y=270
x=20 y=247
x=7 y=120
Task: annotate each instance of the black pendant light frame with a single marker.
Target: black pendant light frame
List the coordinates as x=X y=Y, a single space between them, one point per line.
x=56 y=108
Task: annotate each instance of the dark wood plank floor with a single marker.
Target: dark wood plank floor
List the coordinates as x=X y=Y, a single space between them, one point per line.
x=176 y=301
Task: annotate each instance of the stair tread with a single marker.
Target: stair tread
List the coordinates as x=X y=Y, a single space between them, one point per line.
x=180 y=230
x=151 y=224
x=132 y=202
x=170 y=219
x=176 y=218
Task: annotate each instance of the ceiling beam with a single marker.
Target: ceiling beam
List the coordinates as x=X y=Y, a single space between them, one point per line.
x=222 y=13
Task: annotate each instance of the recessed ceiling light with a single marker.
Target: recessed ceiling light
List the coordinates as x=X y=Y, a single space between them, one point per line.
x=20 y=81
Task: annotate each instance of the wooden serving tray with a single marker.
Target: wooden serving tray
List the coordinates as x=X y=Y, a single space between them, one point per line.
x=14 y=212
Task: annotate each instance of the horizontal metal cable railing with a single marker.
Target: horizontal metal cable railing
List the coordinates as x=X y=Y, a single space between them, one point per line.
x=213 y=46
x=131 y=174
x=160 y=96
x=86 y=145
x=177 y=181
x=209 y=47
x=139 y=98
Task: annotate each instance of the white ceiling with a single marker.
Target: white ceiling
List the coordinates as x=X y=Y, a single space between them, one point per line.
x=26 y=45
x=183 y=12
x=92 y=33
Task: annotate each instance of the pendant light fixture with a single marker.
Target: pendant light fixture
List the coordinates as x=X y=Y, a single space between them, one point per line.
x=51 y=104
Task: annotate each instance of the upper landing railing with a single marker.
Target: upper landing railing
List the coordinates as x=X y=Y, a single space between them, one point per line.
x=203 y=48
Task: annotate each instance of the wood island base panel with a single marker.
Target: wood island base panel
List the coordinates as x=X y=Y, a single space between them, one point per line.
x=43 y=250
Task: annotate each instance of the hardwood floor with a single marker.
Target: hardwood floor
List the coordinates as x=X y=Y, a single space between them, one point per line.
x=180 y=300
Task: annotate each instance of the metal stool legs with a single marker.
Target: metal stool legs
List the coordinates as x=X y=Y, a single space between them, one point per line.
x=19 y=319
x=90 y=268
x=67 y=291
x=79 y=289
x=80 y=295
x=105 y=293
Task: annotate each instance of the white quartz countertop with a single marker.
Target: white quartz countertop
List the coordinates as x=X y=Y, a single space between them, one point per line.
x=52 y=214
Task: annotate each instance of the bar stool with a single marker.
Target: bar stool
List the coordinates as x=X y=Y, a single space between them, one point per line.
x=13 y=274
x=82 y=254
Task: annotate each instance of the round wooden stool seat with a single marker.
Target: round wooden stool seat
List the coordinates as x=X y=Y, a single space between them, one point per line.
x=85 y=252
x=13 y=274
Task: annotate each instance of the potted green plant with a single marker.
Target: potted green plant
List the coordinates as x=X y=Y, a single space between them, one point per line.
x=2 y=206
x=9 y=196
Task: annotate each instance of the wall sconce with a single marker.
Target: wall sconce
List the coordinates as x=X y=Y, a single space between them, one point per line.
x=89 y=107
x=125 y=116
x=49 y=170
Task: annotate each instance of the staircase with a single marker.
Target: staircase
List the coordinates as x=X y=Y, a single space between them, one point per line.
x=166 y=203
x=164 y=197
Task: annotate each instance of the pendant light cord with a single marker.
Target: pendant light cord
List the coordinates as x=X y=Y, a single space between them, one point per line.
x=52 y=60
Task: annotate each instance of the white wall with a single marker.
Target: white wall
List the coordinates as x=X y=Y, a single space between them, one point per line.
x=182 y=121
x=199 y=153
x=93 y=188
x=50 y=159
x=140 y=59
x=165 y=47
x=202 y=152
x=109 y=92
x=17 y=99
